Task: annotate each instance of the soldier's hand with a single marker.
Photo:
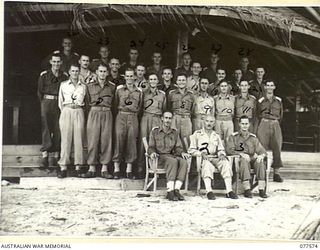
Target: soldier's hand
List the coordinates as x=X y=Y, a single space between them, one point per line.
x=153 y=155
x=222 y=157
x=245 y=156
x=260 y=158
x=185 y=156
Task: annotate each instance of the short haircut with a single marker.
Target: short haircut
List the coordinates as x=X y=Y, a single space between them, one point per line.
x=56 y=55
x=103 y=65
x=206 y=78
x=167 y=111
x=244 y=81
x=221 y=69
x=244 y=117
x=74 y=65
x=153 y=74
x=265 y=83
x=166 y=68
x=128 y=69
x=182 y=74
x=141 y=64
x=114 y=58
x=195 y=62
x=84 y=55
x=104 y=46
x=219 y=84
x=185 y=54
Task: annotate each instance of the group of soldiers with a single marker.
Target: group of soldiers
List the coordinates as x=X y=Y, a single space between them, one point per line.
x=100 y=111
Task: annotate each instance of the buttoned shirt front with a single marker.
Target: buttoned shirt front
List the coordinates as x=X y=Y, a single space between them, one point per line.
x=257 y=89
x=49 y=84
x=245 y=106
x=128 y=100
x=224 y=106
x=208 y=144
x=204 y=104
x=181 y=103
x=270 y=109
x=154 y=103
x=246 y=143
x=166 y=89
x=72 y=94
x=98 y=96
x=193 y=83
x=162 y=142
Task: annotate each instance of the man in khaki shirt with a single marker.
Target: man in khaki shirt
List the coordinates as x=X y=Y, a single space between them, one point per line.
x=165 y=143
x=252 y=153
x=207 y=143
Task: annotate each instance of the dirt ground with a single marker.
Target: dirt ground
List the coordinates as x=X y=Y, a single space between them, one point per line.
x=61 y=210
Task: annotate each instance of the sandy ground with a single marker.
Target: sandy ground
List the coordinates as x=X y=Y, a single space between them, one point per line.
x=54 y=210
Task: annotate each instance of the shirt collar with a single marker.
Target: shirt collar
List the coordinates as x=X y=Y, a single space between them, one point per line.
x=78 y=83
x=227 y=96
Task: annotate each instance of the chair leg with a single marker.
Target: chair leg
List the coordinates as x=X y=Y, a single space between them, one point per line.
x=186 y=182
x=199 y=183
x=146 y=181
x=155 y=182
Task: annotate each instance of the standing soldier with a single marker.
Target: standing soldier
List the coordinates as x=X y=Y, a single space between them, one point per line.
x=114 y=75
x=194 y=79
x=247 y=74
x=257 y=85
x=48 y=89
x=140 y=82
x=207 y=143
x=250 y=150
x=245 y=104
x=224 y=111
x=68 y=57
x=154 y=103
x=181 y=101
x=166 y=85
x=204 y=105
x=235 y=83
x=211 y=71
x=270 y=111
x=71 y=102
x=186 y=65
x=165 y=143
x=132 y=62
x=156 y=66
x=99 y=124
x=104 y=54
x=214 y=87
x=128 y=100
x=86 y=76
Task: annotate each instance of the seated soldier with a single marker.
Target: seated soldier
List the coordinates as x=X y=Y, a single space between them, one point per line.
x=207 y=143
x=252 y=153
x=165 y=142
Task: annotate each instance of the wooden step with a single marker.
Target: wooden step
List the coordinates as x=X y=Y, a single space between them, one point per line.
x=20 y=150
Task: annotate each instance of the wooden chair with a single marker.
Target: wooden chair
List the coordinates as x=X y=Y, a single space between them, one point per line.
x=232 y=160
x=152 y=168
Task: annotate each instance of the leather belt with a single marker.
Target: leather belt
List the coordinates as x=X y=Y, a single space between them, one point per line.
x=72 y=106
x=50 y=97
x=127 y=113
x=100 y=108
x=269 y=120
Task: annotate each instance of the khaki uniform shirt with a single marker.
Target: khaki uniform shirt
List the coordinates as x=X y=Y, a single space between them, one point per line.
x=154 y=103
x=224 y=106
x=102 y=97
x=181 y=103
x=272 y=110
x=245 y=106
x=204 y=105
x=129 y=101
x=49 y=84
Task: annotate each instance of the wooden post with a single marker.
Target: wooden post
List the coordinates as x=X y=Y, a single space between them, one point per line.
x=182 y=45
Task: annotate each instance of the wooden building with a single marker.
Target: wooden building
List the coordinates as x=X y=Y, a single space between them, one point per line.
x=284 y=40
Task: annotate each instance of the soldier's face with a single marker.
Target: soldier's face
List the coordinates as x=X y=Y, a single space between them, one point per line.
x=55 y=62
x=166 y=119
x=196 y=69
x=84 y=62
x=209 y=122
x=260 y=72
x=244 y=125
x=102 y=72
x=204 y=84
x=186 y=60
x=133 y=54
x=221 y=74
x=67 y=44
x=244 y=62
x=156 y=58
x=129 y=77
x=223 y=87
x=269 y=87
x=104 y=52
x=114 y=65
x=244 y=87
x=237 y=74
x=140 y=71
x=153 y=81
x=167 y=75
x=181 y=82
x=74 y=72
x=214 y=58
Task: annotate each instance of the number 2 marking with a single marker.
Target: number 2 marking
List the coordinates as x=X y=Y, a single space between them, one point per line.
x=147 y=106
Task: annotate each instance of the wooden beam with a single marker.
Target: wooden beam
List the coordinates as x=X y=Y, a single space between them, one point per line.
x=261 y=42
x=249 y=17
x=182 y=44
x=67 y=26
